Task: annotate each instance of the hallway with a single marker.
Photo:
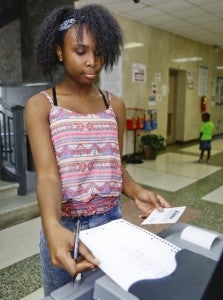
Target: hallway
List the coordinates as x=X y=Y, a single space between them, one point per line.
x=175 y=174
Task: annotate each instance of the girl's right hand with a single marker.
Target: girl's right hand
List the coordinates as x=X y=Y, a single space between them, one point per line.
x=61 y=245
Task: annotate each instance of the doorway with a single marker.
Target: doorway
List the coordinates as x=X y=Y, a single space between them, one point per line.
x=176 y=106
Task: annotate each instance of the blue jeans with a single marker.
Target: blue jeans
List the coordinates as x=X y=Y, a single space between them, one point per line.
x=54 y=278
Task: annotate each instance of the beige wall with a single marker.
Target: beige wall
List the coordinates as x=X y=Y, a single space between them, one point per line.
x=160 y=47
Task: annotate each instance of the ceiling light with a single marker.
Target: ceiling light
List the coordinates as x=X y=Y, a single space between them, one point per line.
x=35 y=84
x=186 y=59
x=194 y=58
x=133 y=45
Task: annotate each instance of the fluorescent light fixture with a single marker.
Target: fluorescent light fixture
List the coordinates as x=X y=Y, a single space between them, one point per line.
x=194 y=58
x=133 y=45
x=219 y=68
x=187 y=59
x=35 y=84
x=179 y=60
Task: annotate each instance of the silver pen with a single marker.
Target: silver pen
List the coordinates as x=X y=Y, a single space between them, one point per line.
x=76 y=242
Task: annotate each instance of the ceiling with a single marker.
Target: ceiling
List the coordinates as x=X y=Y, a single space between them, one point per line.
x=199 y=20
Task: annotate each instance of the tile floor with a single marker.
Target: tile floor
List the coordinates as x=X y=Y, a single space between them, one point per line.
x=217 y=147
x=170 y=172
x=19 y=242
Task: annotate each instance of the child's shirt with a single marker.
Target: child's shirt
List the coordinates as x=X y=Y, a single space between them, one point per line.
x=207 y=130
x=87 y=152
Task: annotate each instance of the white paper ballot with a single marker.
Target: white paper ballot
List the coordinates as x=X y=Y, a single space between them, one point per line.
x=168 y=215
x=129 y=253
x=198 y=236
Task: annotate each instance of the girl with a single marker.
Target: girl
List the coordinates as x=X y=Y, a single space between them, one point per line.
x=76 y=136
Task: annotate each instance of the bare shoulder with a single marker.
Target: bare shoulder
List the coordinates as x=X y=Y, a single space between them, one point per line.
x=118 y=106
x=38 y=102
x=117 y=103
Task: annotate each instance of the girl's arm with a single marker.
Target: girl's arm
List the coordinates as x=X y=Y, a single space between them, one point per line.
x=48 y=188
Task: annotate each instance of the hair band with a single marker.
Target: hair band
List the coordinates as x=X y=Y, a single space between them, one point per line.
x=67 y=24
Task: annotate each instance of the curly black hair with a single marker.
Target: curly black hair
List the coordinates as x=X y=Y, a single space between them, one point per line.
x=100 y=22
x=206 y=117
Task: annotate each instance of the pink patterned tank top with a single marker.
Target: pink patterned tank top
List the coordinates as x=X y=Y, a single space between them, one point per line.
x=87 y=152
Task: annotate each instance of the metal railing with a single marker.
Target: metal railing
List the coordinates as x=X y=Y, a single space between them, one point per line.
x=6 y=129
x=13 y=156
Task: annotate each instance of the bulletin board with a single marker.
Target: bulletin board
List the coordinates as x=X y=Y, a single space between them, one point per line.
x=203 y=80
x=219 y=91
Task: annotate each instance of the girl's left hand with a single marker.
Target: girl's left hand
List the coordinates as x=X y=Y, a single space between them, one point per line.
x=147 y=200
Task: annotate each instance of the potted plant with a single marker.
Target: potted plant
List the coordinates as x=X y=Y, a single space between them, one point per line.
x=152 y=144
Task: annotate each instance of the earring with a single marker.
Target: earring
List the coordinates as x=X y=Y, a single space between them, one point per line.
x=60 y=59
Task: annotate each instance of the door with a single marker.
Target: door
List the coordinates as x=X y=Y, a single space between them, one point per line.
x=176 y=106
x=172 y=107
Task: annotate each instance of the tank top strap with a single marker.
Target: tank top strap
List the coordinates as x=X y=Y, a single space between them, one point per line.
x=109 y=97
x=106 y=97
x=48 y=97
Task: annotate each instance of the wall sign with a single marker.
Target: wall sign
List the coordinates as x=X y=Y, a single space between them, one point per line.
x=203 y=79
x=138 y=73
x=219 y=91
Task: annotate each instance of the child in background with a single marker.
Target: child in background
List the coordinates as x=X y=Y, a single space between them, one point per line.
x=206 y=133
x=76 y=136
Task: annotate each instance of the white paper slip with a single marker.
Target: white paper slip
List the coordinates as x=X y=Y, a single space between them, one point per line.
x=168 y=215
x=198 y=236
x=129 y=253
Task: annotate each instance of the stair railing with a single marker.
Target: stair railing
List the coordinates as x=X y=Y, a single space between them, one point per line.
x=13 y=149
